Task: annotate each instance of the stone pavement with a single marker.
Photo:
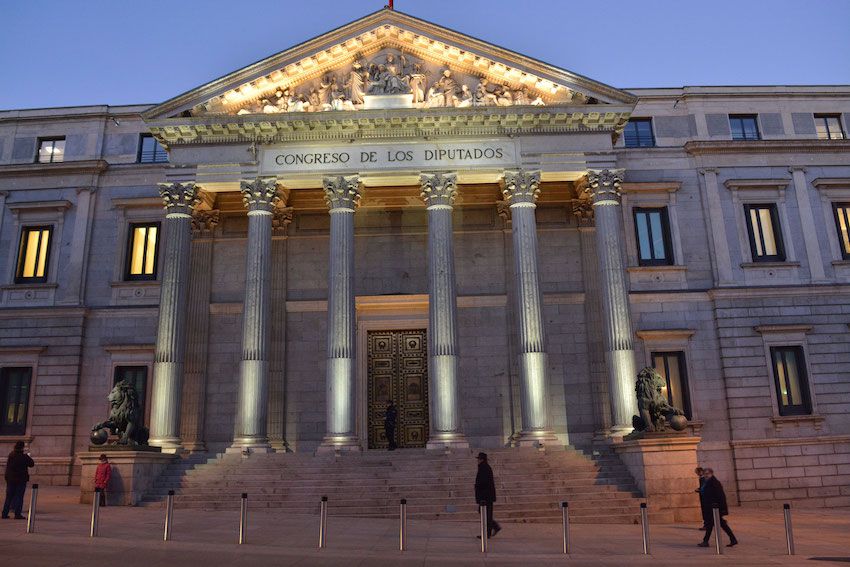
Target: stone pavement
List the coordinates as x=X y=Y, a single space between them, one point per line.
x=132 y=537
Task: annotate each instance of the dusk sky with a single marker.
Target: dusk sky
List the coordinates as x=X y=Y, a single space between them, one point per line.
x=61 y=53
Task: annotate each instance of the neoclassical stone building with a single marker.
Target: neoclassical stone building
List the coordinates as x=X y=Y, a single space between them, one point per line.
x=394 y=210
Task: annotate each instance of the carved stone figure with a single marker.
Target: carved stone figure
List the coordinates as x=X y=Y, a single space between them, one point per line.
x=125 y=419
x=444 y=92
x=655 y=412
x=417 y=84
x=483 y=96
x=356 y=82
x=465 y=99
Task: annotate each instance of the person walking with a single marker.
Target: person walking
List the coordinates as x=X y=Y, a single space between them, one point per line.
x=17 y=476
x=389 y=425
x=485 y=493
x=699 y=471
x=102 y=476
x=712 y=493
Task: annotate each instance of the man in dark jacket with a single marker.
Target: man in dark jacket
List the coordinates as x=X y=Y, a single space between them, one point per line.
x=711 y=494
x=699 y=472
x=17 y=477
x=389 y=425
x=485 y=493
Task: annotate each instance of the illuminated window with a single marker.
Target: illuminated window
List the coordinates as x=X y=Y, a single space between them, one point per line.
x=150 y=151
x=789 y=375
x=142 y=246
x=14 y=400
x=33 y=254
x=842 y=224
x=671 y=367
x=829 y=127
x=137 y=377
x=652 y=230
x=744 y=126
x=51 y=150
x=638 y=133
x=765 y=236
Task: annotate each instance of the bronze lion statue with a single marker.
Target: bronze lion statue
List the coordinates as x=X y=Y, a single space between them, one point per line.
x=654 y=410
x=125 y=419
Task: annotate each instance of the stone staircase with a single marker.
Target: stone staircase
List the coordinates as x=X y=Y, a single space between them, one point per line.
x=437 y=484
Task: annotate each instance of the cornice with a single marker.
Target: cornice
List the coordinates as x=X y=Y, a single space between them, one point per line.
x=61 y=168
x=756 y=184
x=651 y=187
x=702 y=147
x=826 y=183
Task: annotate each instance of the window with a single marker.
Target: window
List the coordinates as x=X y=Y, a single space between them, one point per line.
x=842 y=224
x=150 y=151
x=744 y=127
x=142 y=246
x=33 y=254
x=136 y=376
x=671 y=367
x=14 y=399
x=51 y=150
x=765 y=236
x=789 y=375
x=653 y=237
x=638 y=133
x=829 y=127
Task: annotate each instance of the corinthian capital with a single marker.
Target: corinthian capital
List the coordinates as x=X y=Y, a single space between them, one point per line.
x=521 y=187
x=179 y=198
x=438 y=189
x=342 y=192
x=604 y=185
x=260 y=194
x=204 y=222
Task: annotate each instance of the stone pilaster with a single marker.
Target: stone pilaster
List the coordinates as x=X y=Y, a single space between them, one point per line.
x=342 y=194
x=714 y=213
x=179 y=200
x=807 y=220
x=521 y=189
x=439 y=191
x=604 y=187
x=260 y=197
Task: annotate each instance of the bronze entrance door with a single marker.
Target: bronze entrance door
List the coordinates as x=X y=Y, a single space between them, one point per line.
x=398 y=371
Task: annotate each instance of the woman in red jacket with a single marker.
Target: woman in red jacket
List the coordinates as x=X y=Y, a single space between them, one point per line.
x=101 y=477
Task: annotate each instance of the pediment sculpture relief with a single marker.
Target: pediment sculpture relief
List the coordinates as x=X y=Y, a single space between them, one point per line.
x=416 y=83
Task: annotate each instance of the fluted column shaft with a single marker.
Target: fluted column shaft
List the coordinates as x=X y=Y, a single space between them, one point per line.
x=342 y=195
x=170 y=353
x=604 y=186
x=260 y=196
x=438 y=192
x=521 y=189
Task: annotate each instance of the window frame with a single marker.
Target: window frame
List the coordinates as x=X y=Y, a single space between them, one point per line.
x=683 y=377
x=22 y=246
x=805 y=407
x=651 y=140
x=836 y=216
x=741 y=117
x=666 y=236
x=128 y=252
x=52 y=139
x=157 y=148
x=779 y=241
x=20 y=430
x=825 y=117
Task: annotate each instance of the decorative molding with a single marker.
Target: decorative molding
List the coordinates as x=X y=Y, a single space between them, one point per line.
x=31 y=350
x=58 y=205
x=783 y=422
x=129 y=349
x=282 y=217
x=695 y=147
x=204 y=221
x=665 y=334
x=93 y=166
x=651 y=187
x=771 y=265
x=820 y=440
x=782 y=328
x=827 y=183
x=756 y=184
x=137 y=202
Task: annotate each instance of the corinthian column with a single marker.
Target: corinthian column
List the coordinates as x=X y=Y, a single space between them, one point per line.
x=604 y=186
x=438 y=192
x=179 y=200
x=342 y=195
x=521 y=189
x=260 y=197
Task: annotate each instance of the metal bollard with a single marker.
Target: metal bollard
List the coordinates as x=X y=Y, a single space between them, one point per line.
x=95 y=512
x=323 y=522
x=31 y=511
x=644 y=525
x=715 y=516
x=565 y=512
x=169 y=515
x=243 y=518
x=402 y=525
x=482 y=510
x=789 y=531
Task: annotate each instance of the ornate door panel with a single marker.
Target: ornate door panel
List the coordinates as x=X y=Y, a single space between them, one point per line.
x=398 y=371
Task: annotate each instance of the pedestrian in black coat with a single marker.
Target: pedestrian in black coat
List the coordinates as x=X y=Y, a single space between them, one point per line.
x=711 y=493
x=390 y=418
x=17 y=477
x=485 y=493
x=699 y=472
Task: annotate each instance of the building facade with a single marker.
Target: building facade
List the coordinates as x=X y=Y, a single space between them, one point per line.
x=394 y=210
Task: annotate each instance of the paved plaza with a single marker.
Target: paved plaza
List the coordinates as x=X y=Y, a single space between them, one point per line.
x=133 y=537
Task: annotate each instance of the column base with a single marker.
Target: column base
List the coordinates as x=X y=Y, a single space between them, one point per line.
x=168 y=444
x=537 y=439
x=249 y=445
x=339 y=443
x=280 y=446
x=447 y=441
x=195 y=447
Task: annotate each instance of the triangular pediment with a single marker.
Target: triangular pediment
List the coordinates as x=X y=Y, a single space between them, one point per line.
x=389 y=60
